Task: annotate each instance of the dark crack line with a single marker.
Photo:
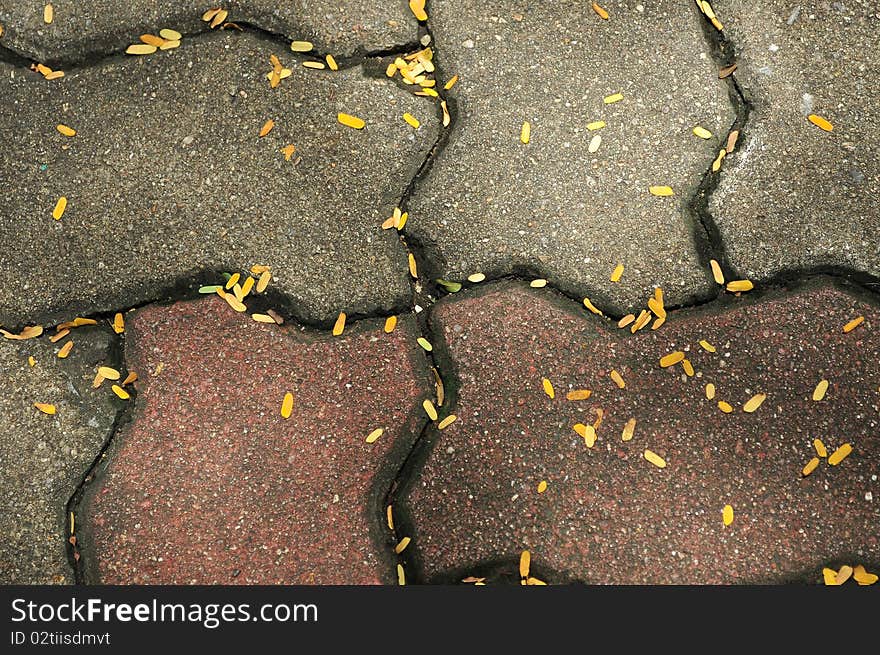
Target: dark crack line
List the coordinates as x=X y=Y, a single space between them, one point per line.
x=83 y=565
x=99 y=57
x=707 y=235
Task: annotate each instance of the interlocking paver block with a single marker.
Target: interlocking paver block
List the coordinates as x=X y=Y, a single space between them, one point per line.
x=610 y=516
x=89 y=28
x=791 y=195
x=494 y=205
x=43 y=457
x=167 y=176
x=209 y=484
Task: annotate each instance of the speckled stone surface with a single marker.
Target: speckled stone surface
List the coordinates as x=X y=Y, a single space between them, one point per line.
x=552 y=208
x=87 y=28
x=43 y=457
x=610 y=516
x=175 y=180
x=209 y=484
x=793 y=196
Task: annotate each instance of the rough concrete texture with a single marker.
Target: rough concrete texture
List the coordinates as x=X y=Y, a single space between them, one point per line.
x=494 y=205
x=43 y=457
x=209 y=484
x=174 y=180
x=82 y=29
x=793 y=196
x=610 y=516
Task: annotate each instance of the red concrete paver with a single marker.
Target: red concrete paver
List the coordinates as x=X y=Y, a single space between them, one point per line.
x=610 y=516
x=209 y=484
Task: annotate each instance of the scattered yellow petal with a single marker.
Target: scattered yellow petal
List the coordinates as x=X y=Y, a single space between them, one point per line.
x=595 y=125
x=740 y=285
x=628 y=430
x=476 y=277
x=727 y=515
x=430 y=410
x=140 y=49
x=48 y=14
x=853 y=324
x=702 y=132
x=716 y=272
x=288 y=151
x=754 y=402
x=830 y=577
x=375 y=434
x=618 y=380
x=535 y=582
x=446 y=117
x=655 y=459
x=413 y=270
x=446 y=422
x=339 y=326
x=861 y=576
x=661 y=191
x=234 y=302
x=688 y=368
x=119 y=391
x=389 y=517
x=390 y=324
x=152 y=39
x=820 y=122
x=810 y=467
x=301 y=46
x=350 y=121
x=708 y=347
x=29 y=332
x=716 y=165
x=643 y=319
x=233 y=280
x=287 y=405
x=617 y=273
x=65 y=350
x=46 y=408
x=118 y=323
x=594 y=144
x=54 y=75
x=401 y=545
x=589 y=305
x=725 y=407
x=525 y=132
x=401 y=576
x=219 y=17
x=600 y=11
x=60 y=206
x=267 y=127
x=31 y=361
x=170 y=35
x=417 y=7
x=626 y=320
x=821 y=451
x=671 y=359
x=542 y=486
x=525 y=562
x=402 y=222
x=539 y=283
x=109 y=373
x=169 y=45
x=844 y=574
x=710 y=391
x=548 y=388
x=66 y=131
x=131 y=377
x=318 y=65
x=588 y=432
x=425 y=344
x=411 y=120
x=615 y=97
x=451 y=82
x=579 y=394
x=331 y=63
x=247 y=286
x=840 y=454
x=263 y=318
x=820 y=390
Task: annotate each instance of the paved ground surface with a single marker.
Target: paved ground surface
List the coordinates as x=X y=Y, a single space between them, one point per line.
x=43 y=456
x=610 y=516
x=171 y=189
